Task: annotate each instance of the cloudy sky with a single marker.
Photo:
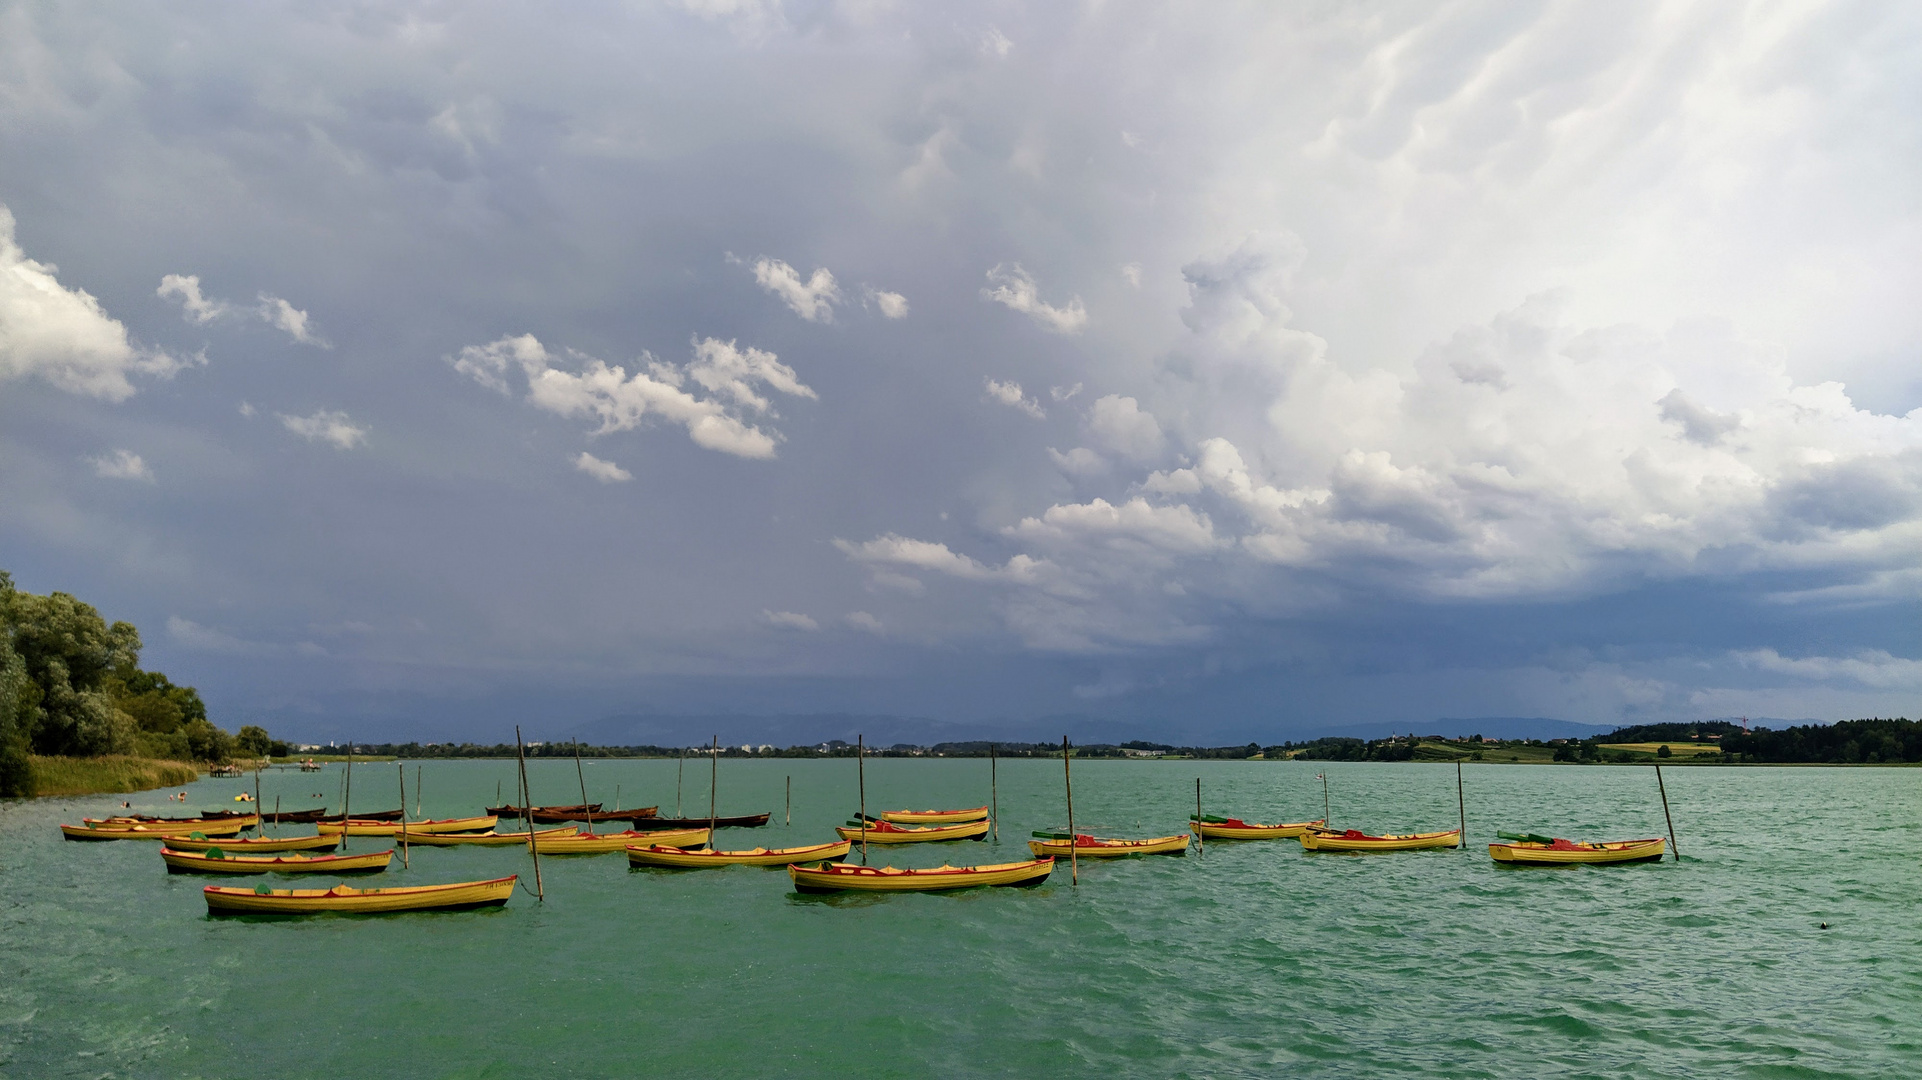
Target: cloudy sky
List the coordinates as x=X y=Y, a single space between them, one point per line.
x=1233 y=371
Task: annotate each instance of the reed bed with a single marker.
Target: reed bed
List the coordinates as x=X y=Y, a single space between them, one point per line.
x=109 y=774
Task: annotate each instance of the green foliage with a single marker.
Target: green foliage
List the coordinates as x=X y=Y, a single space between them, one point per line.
x=253 y=741
x=1664 y=751
x=1851 y=742
x=16 y=774
x=108 y=773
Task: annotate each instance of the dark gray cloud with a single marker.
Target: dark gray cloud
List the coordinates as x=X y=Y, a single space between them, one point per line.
x=1212 y=369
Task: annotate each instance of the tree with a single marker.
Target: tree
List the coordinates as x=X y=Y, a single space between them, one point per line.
x=69 y=652
x=1663 y=751
x=16 y=778
x=253 y=741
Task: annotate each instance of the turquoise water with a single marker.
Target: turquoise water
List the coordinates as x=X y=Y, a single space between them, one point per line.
x=1253 y=959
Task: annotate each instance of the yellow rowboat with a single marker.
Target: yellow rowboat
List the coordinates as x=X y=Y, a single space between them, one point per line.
x=153 y=831
x=847 y=877
x=1566 y=852
x=661 y=855
x=490 y=838
x=934 y=817
x=1095 y=847
x=258 y=843
x=1352 y=840
x=217 y=861
x=245 y=821
x=604 y=843
x=1237 y=829
x=882 y=832
x=366 y=827
x=459 y=895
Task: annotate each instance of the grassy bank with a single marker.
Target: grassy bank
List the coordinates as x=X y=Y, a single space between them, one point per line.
x=114 y=773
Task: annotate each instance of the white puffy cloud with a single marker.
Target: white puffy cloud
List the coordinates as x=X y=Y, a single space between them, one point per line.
x=892 y=304
x=121 y=465
x=812 y=299
x=1014 y=287
x=289 y=319
x=1174 y=528
x=789 y=620
x=1118 y=424
x=895 y=550
x=327 y=426
x=200 y=309
x=1010 y=394
x=605 y=471
x=63 y=335
x=1079 y=461
x=865 y=622
x=730 y=374
x=194 y=307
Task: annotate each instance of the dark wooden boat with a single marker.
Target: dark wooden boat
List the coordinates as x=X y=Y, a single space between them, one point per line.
x=514 y=811
x=209 y=815
x=741 y=821
x=359 y=815
x=546 y=816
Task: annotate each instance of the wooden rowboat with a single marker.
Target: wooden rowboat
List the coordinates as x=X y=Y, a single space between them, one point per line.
x=151 y=832
x=258 y=843
x=1237 y=829
x=882 y=832
x=204 y=815
x=492 y=839
x=659 y=855
x=544 y=816
x=511 y=812
x=217 y=861
x=1566 y=852
x=457 y=896
x=847 y=877
x=605 y=843
x=738 y=821
x=934 y=817
x=364 y=827
x=185 y=825
x=1095 y=847
x=1354 y=840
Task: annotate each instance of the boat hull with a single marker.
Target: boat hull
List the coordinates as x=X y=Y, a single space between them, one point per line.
x=258 y=843
x=552 y=817
x=845 y=877
x=457 y=896
x=230 y=827
x=198 y=862
x=674 y=858
x=1111 y=849
x=609 y=843
x=491 y=839
x=972 y=830
x=935 y=817
x=367 y=827
x=1317 y=840
x=1215 y=830
x=738 y=821
x=1613 y=851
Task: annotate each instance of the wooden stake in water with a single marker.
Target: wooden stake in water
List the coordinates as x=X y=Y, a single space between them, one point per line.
x=402 y=770
x=617 y=798
x=788 y=819
x=713 y=780
x=1666 y=815
x=1074 y=861
x=1461 y=804
x=346 y=798
x=520 y=751
x=276 y=809
x=257 y=807
x=1201 y=842
x=583 y=778
x=1325 y=815
x=403 y=804
x=861 y=778
x=680 y=766
x=994 y=796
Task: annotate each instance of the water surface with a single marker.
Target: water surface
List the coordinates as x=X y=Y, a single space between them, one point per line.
x=1253 y=959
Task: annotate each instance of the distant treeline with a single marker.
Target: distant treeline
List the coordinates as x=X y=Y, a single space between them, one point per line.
x=1852 y=741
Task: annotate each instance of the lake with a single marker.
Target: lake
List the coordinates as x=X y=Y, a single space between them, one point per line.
x=1252 y=959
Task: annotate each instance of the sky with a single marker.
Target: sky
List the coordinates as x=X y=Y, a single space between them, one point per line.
x=1229 y=371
